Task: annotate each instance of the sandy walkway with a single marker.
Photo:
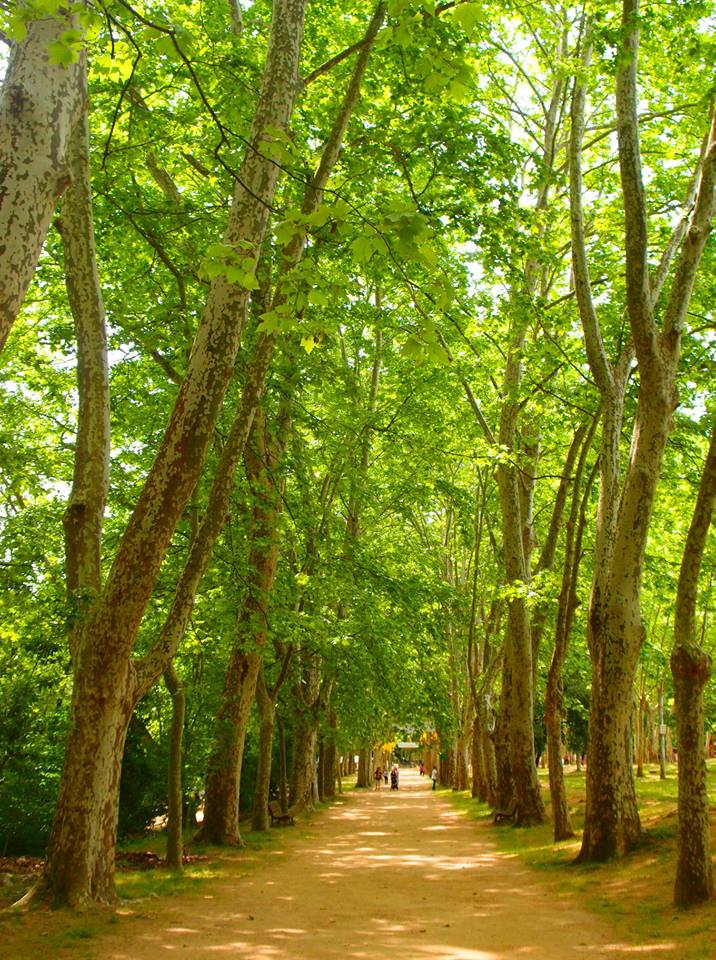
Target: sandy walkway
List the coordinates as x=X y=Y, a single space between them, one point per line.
x=394 y=874
x=401 y=875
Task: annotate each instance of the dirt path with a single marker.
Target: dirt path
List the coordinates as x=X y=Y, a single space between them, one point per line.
x=398 y=874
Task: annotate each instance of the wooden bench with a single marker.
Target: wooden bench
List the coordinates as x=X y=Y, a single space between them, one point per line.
x=505 y=816
x=277 y=815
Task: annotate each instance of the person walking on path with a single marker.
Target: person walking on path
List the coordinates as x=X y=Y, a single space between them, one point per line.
x=378 y=778
x=434 y=777
x=394 y=778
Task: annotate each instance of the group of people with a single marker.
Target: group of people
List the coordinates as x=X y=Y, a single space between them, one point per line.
x=381 y=775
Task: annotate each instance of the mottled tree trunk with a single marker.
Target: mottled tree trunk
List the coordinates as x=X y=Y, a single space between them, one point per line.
x=40 y=105
x=518 y=640
x=223 y=779
x=80 y=860
x=78 y=867
x=221 y=808
x=460 y=778
x=691 y=670
x=615 y=632
x=84 y=515
x=505 y=791
x=303 y=774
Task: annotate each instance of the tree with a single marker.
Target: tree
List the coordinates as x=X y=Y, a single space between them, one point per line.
x=107 y=682
x=615 y=630
x=691 y=669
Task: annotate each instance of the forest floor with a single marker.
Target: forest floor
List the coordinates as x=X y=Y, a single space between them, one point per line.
x=403 y=873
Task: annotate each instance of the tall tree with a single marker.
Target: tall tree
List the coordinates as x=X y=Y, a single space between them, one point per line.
x=691 y=670
x=80 y=861
x=615 y=629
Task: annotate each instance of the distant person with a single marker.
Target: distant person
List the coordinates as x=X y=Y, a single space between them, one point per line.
x=434 y=777
x=394 y=778
x=378 y=778
x=422 y=769
x=385 y=776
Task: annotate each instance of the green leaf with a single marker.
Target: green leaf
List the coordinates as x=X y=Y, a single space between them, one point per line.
x=362 y=249
x=469 y=16
x=17 y=28
x=62 y=54
x=270 y=322
x=317 y=297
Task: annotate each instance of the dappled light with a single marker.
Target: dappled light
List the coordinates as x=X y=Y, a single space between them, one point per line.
x=404 y=874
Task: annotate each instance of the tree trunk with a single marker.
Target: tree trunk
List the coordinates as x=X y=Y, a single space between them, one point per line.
x=267 y=714
x=282 y=766
x=84 y=515
x=175 y=834
x=40 y=105
x=303 y=774
x=364 y=771
x=505 y=790
x=691 y=670
x=567 y=603
x=80 y=859
x=662 y=736
x=477 y=756
x=223 y=778
x=615 y=633
x=320 y=769
x=330 y=769
x=81 y=855
x=518 y=644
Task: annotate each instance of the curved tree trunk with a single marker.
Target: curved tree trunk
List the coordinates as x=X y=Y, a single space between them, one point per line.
x=80 y=860
x=221 y=810
x=615 y=632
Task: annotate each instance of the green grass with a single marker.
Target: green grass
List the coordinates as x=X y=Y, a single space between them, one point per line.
x=635 y=893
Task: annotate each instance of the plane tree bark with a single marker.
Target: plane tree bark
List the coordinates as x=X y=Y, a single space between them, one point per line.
x=615 y=631
x=40 y=105
x=80 y=862
x=691 y=670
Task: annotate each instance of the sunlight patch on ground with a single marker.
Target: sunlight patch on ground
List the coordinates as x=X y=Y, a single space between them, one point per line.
x=458 y=953
x=638 y=949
